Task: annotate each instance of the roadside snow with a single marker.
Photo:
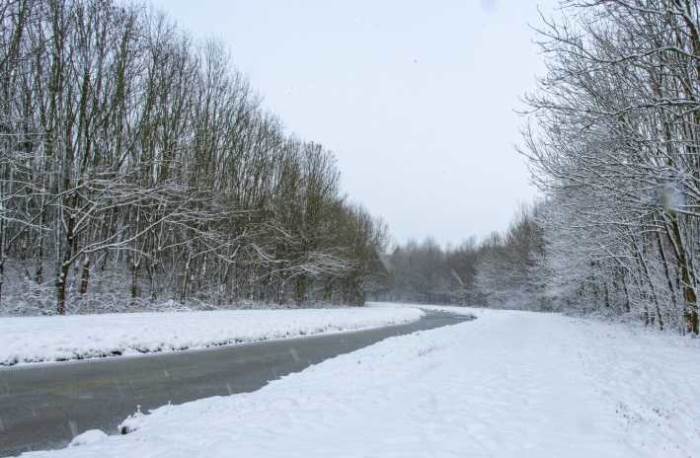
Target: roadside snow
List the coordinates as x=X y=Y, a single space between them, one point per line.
x=91 y=436
x=61 y=338
x=509 y=384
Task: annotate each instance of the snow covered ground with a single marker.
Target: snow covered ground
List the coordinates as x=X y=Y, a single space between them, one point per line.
x=60 y=338
x=509 y=384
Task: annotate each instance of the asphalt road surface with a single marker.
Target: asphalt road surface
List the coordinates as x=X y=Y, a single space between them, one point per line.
x=45 y=406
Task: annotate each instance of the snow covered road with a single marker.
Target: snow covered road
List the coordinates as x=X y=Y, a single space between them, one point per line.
x=510 y=384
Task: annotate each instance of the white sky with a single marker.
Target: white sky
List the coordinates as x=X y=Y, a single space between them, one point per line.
x=416 y=98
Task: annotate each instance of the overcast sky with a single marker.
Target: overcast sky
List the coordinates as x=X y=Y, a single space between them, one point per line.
x=416 y=98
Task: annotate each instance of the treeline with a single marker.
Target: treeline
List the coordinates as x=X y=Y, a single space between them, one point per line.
x=427 y=273
x=137 y=167
x=501 y=271
x=615 y=146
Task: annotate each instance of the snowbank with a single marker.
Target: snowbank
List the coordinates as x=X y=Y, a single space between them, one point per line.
x=509 y=384
x=61 y=338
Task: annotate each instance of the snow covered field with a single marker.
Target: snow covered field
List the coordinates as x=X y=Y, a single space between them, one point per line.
x=59 y=338
x=509 y=384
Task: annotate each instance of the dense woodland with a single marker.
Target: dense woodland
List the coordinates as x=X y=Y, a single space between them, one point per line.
x=501 y=271
x=137 y=168
x=614 y=145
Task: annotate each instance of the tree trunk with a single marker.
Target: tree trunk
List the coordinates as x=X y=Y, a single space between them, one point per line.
x=85 y=276
x=687 y=279
x=64 y=268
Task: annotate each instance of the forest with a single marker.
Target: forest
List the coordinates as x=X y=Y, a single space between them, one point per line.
x=614 y=146
x=613 y=143
x=500 y=271
x=137 y=168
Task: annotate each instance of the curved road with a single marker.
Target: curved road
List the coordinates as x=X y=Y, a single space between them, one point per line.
x=45 y=406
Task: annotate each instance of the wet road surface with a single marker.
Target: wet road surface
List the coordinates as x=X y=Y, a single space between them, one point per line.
x=45 y=406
